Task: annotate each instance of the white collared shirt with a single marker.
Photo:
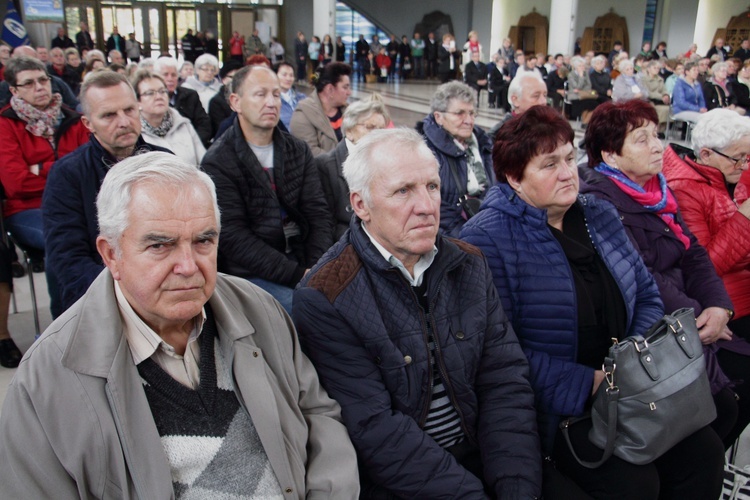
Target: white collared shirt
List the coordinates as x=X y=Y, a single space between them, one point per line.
x=424 y=262
x=145 y=343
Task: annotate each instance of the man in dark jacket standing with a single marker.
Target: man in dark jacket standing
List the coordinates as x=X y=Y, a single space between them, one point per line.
x=62 y=40
x=83 y=38
x=115 y=41
x=275 y=220
x=69 y=201
x=431 y=55
x=407 y=333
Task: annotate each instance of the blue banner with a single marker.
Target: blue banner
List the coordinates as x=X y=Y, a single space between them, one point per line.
x=14 y=34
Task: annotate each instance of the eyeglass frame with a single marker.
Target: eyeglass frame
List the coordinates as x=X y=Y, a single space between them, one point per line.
x=42 y=80
x=152 y=93
x=463 y=113
x=737 y=161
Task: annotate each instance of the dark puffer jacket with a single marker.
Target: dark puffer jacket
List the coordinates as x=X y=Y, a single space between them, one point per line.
x=536 y=286
x=188 y=104
x=361 y=324
x=252 y=236
x=443 y=145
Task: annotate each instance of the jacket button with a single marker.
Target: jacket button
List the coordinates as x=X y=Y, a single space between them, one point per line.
x=460 y=335
x=255 y=354
x=622 y=217
x=666 y=229
x=288 y=490
x=407 y=359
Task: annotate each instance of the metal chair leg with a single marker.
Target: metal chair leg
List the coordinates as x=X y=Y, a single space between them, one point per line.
x=33 y=292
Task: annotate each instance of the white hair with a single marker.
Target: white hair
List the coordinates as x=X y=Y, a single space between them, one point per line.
x=113 y=201
x=625 y=63
x=163 y=63
x=719 y=129
x=377 y=148
x=147 y=63
x=516 y=85
x=363 y=109
x=207 y=59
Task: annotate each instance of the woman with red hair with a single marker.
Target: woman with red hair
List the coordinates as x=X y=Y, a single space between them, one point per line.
x=625 y=160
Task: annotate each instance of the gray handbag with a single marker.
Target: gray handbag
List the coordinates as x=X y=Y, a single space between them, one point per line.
x=655 y=394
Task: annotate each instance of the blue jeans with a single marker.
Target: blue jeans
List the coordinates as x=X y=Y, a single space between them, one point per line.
x=281 y=293
x=26 y=228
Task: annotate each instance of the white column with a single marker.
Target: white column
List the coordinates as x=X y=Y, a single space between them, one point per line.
x=324 y=19
x=562 y=25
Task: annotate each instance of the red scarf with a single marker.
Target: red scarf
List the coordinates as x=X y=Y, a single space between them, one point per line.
x=654 y=197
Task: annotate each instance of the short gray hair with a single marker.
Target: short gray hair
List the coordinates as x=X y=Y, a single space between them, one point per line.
x=207 y=59
x=447 y=92
x=576 y=60
x=376 y=149
x=719 y=66
x=516 y=85
x=147 y=63
x=113 y=201
x=362 y=110
x=599 y=58
x=100 y=80
x=95 y=54
x=165 y=62
x=719 y=129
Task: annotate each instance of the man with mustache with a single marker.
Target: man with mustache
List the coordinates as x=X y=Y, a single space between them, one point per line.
x=167 y=380
x=276 y=221
x=68 y=205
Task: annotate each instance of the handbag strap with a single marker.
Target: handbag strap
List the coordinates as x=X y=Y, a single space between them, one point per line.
x=612 y=395
x=462 y=195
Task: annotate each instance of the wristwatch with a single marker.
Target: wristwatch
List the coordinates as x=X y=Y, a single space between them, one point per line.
x=730 y=313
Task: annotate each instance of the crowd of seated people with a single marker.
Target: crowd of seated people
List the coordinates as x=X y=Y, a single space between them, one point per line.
x=403 y=257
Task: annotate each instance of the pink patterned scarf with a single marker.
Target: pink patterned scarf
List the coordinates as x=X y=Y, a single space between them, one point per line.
x=39 y=122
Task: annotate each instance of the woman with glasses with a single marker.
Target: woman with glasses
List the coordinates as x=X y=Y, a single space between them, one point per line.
x=463 y=150
x=36 y=129
x=204 y=81
x=570 y=281
x=715 y=204
x=625 y=164
x=162 y=125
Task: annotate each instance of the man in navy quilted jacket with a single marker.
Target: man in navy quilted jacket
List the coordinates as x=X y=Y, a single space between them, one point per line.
x=407 y=332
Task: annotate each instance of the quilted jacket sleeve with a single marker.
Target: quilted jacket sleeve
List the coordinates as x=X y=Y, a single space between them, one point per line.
x=507 y=419
x=238 y=240
x=561 y=387
x=727 y=243
x=390 y=445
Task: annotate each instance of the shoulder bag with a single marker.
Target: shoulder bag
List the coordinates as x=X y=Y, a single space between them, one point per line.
x=655 y=394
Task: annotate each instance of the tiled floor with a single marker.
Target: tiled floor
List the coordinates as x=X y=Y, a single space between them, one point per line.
x=407 y=102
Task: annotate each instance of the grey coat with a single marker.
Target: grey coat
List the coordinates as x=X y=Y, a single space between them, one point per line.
x=76 y=422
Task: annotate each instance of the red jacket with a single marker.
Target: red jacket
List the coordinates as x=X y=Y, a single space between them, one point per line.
x=20 y=149
x=713 y=217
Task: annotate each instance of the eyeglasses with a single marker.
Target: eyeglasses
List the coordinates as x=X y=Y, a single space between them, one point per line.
x=207 y=68
x=151 y=93
x=463 y=113
x=42 y=80
x=738 y=162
